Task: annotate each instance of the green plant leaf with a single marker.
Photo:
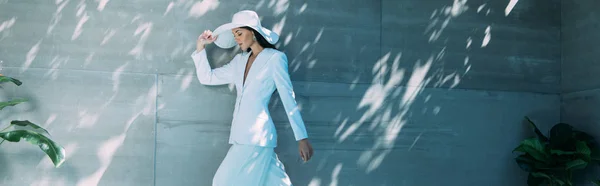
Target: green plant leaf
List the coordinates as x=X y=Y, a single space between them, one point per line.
x=4 y=79
x=576 y=164
x=561 y=152
x=12 y=102
x=27 y=123
x=55 y=152
x=541 y=175
x=537 y=130
x=534 y=147
x=528 y=163
x=597 y=182
x=584 y=150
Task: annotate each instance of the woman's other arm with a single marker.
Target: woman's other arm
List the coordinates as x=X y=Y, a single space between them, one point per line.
x=287 y=95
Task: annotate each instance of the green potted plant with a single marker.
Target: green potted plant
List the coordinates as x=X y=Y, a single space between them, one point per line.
x=28 y=131
x=552 y=160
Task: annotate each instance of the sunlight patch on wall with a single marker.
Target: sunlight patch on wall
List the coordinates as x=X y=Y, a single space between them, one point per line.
x=280 y=6
x=7 y=24
x=315 y=182
x=335 y=175
x=186 y=81
x=417 y=80
x=105 y=154
x=50 y=120
x=446 y=14
x=101 y=4
x=144 y=29
x=457 y=8
x=83 y=18
x=303 y=8
x=202 y=7
x=510 y=7
x=116 y=75
x=56 y=62
x=88 y=59
x=107 y=35
x=31 y=55
x=278 y=27
x=169 y=7
x=488 y=36
x=87 y=119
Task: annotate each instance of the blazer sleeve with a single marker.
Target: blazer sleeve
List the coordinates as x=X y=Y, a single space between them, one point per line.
x=208 y=76
x=286 y=93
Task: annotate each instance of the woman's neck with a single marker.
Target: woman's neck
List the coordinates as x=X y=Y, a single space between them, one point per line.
x=256 y=48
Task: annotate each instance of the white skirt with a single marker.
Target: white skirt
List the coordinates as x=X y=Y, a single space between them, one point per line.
x=247 y=165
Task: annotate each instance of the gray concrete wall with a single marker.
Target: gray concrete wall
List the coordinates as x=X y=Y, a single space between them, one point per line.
x=580 y=86
x=392 y=92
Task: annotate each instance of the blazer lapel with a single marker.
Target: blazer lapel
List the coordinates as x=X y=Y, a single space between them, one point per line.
x=257 y=65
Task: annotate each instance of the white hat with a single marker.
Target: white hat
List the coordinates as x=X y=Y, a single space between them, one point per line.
x=240 y=19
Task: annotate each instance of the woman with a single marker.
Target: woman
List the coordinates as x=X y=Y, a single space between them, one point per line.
x=257 y=72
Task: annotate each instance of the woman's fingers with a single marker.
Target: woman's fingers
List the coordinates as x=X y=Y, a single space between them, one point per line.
x=306 y=156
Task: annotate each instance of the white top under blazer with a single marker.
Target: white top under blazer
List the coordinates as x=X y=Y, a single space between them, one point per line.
x=252 y=123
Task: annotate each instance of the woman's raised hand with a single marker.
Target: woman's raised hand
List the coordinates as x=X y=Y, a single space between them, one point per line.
x=205 y=38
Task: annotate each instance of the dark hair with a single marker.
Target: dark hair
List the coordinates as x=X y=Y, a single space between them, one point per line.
x=260 y=39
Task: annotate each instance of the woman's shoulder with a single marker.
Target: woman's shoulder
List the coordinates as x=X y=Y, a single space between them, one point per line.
x=276 y=54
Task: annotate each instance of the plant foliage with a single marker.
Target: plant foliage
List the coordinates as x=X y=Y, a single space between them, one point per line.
x=28 y=131
x=552 y=160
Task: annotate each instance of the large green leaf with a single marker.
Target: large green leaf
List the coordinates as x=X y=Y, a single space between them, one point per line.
x=4 y=79
x=11 y=102
x=597 y=182
x=537 y=130
x=534 y=147
x=583 y=150
x=55 y=152
x=27 y=123
x=576 y=164
x=528 y=163
x=541 y=175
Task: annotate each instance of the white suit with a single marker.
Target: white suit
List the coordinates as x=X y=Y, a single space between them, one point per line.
x=251 y=160
x=252 y=123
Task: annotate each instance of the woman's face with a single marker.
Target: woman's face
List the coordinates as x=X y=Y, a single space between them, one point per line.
x=243 y=37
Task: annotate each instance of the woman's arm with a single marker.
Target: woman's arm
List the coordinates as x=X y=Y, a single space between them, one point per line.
x=206 y=75
x=286 y=93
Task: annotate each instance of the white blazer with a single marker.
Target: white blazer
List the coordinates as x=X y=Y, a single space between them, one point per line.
x=252 y=123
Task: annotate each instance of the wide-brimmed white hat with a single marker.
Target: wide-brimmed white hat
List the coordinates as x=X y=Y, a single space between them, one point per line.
x=240 y=19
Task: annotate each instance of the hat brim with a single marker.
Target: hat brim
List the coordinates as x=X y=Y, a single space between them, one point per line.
x=225 y=37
